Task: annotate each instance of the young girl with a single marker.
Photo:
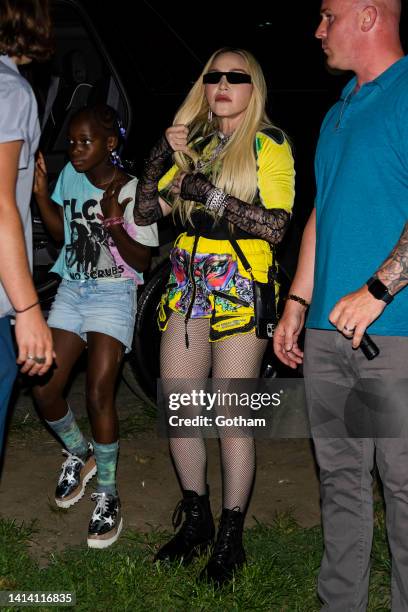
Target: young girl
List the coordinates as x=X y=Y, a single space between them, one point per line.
x=101 y=263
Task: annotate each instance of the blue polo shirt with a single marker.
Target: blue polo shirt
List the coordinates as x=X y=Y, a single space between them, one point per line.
x=361 y=170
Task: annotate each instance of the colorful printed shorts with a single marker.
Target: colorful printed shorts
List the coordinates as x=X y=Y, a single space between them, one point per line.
x=215 y=286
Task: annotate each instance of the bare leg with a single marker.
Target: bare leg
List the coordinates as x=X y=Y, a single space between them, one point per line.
x=49 y=393
x=104 y=358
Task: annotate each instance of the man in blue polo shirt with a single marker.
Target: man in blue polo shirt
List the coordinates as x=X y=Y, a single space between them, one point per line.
x=353 y=260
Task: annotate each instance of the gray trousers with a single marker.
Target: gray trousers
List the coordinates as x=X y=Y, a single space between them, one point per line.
x=333 y=371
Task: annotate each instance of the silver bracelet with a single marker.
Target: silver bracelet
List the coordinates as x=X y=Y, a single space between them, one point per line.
x=215 y=202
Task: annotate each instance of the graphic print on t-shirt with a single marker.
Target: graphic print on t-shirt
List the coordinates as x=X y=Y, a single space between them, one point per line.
x=87 y=253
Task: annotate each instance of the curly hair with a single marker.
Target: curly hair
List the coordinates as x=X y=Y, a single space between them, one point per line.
x=25 y=29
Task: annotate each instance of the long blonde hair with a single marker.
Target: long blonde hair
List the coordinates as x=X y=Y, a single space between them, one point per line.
x=237 y=170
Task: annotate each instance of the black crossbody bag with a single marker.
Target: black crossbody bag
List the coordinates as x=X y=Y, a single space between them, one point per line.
x=266 y=316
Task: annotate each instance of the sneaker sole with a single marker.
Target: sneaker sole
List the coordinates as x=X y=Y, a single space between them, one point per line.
x=101 y=542
x=67 y=503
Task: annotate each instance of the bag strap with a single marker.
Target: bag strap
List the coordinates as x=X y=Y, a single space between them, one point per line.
x=240 y=254
x=272 y=272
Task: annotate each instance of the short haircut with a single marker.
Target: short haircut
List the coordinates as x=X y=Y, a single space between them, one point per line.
x=25 y=29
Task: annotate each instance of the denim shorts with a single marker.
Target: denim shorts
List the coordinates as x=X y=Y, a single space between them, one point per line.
x=107 y=307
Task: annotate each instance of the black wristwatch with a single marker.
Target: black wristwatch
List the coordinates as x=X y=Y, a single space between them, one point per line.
x=379 y=290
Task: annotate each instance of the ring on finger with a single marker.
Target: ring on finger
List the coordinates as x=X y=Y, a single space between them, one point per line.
x=39 y=360
x=348 y=329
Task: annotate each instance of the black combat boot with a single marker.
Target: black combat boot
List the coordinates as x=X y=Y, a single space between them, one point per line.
x=228 y=554
x=196 y=532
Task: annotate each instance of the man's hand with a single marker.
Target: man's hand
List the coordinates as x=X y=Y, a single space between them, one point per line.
x=355 y=312
x=34 y=340
x=285 y=338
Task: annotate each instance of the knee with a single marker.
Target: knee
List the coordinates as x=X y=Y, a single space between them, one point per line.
x=393 y=472
x=45 y=396
x=98 y=398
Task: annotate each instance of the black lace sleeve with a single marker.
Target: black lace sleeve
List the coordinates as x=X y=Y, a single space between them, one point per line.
x=267 y=223
x=147 y=208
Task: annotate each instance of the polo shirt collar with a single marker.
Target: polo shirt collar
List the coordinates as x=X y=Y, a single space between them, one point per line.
x=384 y=80
x=9 y=62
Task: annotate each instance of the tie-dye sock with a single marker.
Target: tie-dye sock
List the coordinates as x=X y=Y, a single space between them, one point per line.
x=70 y=434
x=106 y=457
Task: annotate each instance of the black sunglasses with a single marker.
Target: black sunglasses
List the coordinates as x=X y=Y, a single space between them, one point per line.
x=233 y=78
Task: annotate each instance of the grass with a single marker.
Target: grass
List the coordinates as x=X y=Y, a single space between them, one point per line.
x=283 y=562
x=281 y=574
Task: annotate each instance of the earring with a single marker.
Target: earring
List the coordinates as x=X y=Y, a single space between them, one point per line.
x=210 y=115
x=115 y=158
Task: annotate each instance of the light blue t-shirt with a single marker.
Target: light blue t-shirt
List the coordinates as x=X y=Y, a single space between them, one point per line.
x=361 y=170
x=19 y=121
x=89 y=252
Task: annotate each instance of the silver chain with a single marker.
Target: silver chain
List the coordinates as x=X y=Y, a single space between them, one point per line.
x=202 y=163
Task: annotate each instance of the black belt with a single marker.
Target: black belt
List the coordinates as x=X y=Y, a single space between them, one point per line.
x=205 y=228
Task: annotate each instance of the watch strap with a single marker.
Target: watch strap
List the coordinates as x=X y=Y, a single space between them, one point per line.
x=379 y=290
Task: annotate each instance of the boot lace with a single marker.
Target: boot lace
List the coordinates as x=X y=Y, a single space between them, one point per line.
x=193 y=516
x=228 y=528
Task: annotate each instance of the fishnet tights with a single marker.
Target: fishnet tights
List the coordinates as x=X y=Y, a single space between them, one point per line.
x=236 y=357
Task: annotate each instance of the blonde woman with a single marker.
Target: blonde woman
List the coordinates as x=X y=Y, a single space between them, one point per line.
x=232 y=176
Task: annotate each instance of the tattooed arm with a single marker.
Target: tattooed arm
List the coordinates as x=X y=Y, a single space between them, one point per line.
x=394 y=271
x=359 y=309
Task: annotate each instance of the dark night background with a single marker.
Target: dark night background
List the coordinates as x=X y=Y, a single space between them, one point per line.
x=158 y=49
x=164 y=46
x=153 y=51
x=161 y=47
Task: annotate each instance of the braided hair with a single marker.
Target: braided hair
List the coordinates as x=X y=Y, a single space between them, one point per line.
x=107 y=118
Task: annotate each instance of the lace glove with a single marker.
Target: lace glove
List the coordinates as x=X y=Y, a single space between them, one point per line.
x=196 y=187
x=267 y=223
x=147 y=208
